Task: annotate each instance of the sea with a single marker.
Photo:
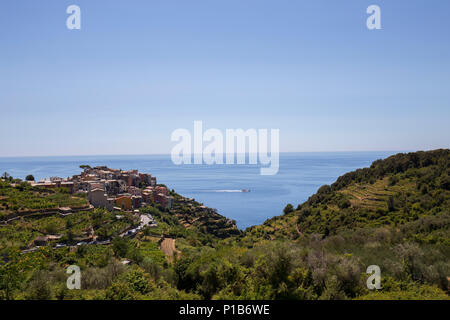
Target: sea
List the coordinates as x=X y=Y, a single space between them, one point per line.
x=217 y=186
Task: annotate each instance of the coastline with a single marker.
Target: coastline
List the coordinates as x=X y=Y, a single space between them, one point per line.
x=301 y=174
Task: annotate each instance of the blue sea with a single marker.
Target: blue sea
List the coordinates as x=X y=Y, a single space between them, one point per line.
x=217 y=186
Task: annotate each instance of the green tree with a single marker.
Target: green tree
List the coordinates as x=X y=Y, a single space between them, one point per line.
x=11 y=277
x=138 y=280
x=391 y=204
x=288 y=209
x=29 y=177
x=39 y=288
x=120 y=247
x=120 y=291
x=70 y=236
x=51 y=227
x=344 y=203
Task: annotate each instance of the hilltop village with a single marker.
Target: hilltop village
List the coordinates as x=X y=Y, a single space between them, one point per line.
x=113 y=188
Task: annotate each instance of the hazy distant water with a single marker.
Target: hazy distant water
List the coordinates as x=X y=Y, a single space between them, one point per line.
x=217 y=186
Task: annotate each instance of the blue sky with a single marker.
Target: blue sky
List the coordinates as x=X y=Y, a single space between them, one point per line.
x=137 y=70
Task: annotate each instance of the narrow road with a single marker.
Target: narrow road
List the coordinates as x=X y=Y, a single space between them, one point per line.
x=145 y=220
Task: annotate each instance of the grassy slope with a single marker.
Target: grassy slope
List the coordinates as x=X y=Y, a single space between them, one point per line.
x=408 y=193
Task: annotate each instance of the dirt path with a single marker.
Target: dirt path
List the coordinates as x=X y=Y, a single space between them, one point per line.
x=168 y=247
x=298 y=230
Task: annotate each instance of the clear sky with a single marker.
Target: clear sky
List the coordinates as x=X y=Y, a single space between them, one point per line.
x=137 y=70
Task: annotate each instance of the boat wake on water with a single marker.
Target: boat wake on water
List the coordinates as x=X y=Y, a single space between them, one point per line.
x=229 y=190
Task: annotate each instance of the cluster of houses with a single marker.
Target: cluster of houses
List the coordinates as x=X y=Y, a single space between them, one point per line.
x=113 y=188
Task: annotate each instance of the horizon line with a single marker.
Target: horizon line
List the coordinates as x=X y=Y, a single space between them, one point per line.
x=168 y=154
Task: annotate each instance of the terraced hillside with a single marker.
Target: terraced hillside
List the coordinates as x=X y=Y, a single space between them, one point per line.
x=21 y=198
x=401 y=192
x=193 y=215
